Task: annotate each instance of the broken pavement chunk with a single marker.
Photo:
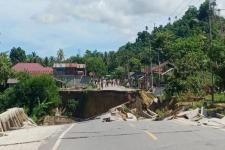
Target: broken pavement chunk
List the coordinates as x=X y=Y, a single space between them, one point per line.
x=131 y=117
x=106 y=119
x=14 y=118
x=192 y=114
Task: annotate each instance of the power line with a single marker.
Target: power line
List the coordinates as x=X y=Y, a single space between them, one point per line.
x=198 y=2
x=185 y=8
x=179 y=11
x=178 y=7
x=181 y=8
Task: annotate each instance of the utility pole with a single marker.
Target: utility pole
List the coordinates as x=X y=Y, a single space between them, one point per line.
x=221 y=23
x=159 y=71
x=128 y=71
x=211 y=13
x=150 y=49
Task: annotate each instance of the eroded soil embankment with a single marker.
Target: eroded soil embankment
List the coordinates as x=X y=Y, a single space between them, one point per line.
x=94 y=103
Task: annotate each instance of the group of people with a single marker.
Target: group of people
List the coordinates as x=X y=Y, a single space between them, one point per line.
x=103 y=83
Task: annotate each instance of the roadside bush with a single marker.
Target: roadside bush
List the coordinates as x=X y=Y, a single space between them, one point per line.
x=21 y=76
x=37 y=90
x=38 y=95
x=71 y=107
x=41 y=110
x=195 y=85
x=7 y=99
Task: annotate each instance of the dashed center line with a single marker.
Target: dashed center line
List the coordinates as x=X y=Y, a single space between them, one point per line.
x=151 y=135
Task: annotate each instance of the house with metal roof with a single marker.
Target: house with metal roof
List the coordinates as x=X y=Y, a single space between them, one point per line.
x=32 y=68
x=73 y=74
x=12 y=82
x=69 y=69
x=161 y=69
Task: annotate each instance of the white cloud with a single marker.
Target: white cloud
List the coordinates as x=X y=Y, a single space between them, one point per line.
x=122 y=15
x=80 y=24
x=49 y=18
x=221 y=5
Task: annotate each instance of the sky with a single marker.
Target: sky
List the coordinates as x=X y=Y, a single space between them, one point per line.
x=44 y=26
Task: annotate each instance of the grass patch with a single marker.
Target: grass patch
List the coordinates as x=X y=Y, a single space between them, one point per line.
x=219 y=97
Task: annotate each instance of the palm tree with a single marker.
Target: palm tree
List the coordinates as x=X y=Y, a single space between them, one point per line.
x=60 y=55
x=34 y=57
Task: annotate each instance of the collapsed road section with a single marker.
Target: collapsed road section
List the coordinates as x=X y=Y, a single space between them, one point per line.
x=94 y=103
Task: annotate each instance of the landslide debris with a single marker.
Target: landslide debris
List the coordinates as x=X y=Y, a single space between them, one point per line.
x=138 y=108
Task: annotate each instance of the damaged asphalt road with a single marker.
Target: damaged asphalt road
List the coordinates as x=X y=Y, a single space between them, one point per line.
x=137 y=135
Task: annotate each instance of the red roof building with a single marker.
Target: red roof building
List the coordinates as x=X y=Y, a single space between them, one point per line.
x=33 y=68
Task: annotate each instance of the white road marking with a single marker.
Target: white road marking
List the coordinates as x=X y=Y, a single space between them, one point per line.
x=151 y=135
x=57 y=143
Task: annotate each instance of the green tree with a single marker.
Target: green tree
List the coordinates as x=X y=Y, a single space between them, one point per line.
x=52 y=60
x=119 y=73
x=34 y=58
x=7 y=99
x=17 y=55
x=111 y=61
x=76 y=59
x=37 y=95
x=22 y=76
x=135 y=64
x=96 y=65
x=190 y=75
x=60 y=55
x=5 y=69
x=34 y=91
x=204 y=11
x=46 y=61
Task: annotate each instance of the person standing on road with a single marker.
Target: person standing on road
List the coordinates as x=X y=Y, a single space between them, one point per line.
x=101 y=82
